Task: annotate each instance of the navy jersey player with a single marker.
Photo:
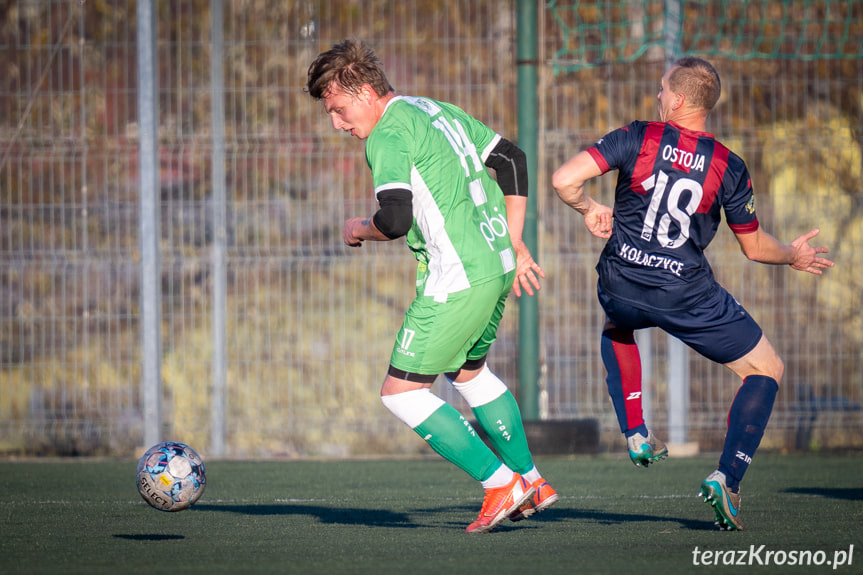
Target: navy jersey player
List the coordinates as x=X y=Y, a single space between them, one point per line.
x=675 y=180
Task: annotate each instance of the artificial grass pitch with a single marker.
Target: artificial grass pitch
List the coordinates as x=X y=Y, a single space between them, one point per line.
x=408 y=516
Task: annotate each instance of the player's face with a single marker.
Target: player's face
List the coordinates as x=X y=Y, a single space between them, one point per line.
x=665 y=98
x=352 y=113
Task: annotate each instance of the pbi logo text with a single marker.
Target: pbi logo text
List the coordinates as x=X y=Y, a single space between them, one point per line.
x=493 y=227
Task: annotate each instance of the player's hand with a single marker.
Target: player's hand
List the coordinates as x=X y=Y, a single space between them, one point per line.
x=526 y=271
x=598 y=219
x=350 y=232
x=806 y=257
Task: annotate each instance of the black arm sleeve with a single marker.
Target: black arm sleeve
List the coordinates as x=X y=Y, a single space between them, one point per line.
x=510 y=164
x=395 y=217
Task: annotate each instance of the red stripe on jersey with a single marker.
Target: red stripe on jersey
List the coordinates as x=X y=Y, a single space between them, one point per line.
x=687 y=142
x=646 y=156
x=745 y=228
x=714 y=177
x=597 y=157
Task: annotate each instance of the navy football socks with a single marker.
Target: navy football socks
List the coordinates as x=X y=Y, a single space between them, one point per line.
x=747 y=419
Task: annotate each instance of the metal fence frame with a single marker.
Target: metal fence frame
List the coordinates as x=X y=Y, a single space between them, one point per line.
x=179 y=263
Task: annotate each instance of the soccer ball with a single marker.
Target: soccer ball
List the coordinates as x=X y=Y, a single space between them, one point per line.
x=171 y=476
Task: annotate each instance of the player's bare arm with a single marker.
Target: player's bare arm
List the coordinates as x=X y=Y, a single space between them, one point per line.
x=393 y=219
x=527 y=269
x=358 y=230
x=568 y=182
x=762 y=247
x=509 y=166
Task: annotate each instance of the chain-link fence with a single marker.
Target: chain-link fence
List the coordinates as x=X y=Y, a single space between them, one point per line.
x=309 y=322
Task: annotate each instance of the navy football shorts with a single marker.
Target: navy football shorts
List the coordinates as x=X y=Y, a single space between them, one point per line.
x=719 y=328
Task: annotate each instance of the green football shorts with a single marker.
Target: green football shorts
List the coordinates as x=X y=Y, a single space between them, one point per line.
x=439 y=337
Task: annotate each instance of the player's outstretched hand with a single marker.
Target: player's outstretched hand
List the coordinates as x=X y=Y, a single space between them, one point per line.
x=526 y=271
x=806 y=257
x=598 y=219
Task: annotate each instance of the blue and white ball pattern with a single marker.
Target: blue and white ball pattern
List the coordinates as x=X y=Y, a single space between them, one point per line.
x=171 y=476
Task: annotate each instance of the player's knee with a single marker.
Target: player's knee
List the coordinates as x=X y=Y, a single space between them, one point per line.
x=766 y=361
x=779 y=369
x=773 y=367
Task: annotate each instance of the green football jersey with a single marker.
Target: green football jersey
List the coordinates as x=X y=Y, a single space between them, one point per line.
x=459 y=235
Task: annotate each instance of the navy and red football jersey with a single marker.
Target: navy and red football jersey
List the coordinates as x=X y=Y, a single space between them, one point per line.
x=672 y=185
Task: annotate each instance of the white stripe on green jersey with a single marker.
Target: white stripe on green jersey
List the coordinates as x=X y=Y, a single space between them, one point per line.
x=437 y=151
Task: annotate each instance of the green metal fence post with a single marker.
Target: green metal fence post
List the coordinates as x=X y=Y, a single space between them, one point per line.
x=528 y=308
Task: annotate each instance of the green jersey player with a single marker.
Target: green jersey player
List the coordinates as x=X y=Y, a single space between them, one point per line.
x=429 y=165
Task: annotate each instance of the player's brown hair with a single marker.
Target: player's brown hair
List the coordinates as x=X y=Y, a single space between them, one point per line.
x=348 y=65
x=698 y=80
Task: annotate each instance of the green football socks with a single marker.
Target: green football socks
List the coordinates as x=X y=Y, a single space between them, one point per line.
x=454 y=439
x=501 y=420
